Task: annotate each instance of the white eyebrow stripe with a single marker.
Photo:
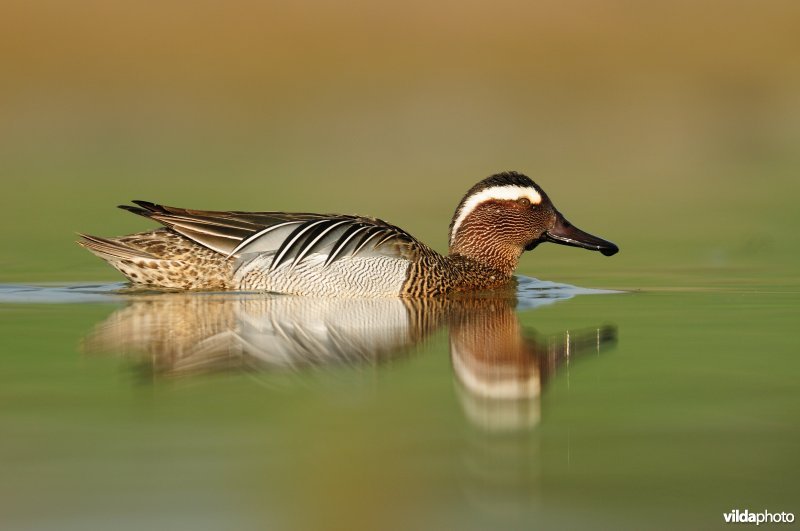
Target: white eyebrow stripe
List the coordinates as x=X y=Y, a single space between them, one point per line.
x=509 y=192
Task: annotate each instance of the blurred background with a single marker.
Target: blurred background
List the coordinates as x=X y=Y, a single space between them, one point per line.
x=669 y=128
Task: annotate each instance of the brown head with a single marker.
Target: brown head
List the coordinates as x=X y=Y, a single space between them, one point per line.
x=506 y=214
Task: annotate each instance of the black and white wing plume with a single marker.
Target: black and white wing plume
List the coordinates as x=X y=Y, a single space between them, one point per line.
x=290 y=237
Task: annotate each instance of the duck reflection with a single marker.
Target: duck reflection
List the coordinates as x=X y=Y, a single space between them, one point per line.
x=185 y=334
x=499 y=367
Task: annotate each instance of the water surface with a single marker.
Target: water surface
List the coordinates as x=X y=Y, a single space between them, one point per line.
x=548 y=406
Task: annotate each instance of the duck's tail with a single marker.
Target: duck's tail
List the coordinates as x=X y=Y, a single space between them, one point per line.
x=162 y=259
x=112 y=250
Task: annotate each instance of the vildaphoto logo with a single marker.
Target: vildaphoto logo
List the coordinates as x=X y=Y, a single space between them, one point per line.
x=764 y=517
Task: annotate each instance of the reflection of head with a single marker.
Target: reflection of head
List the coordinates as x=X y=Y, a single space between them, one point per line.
x=502 y=369
x=489 y=352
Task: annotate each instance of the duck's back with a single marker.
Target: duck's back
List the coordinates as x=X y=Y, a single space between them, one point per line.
x=304 y=254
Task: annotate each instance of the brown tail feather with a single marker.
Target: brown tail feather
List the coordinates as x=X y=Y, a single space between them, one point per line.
x=111 y=249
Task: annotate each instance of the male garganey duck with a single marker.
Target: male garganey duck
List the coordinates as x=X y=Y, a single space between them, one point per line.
x=342 y=255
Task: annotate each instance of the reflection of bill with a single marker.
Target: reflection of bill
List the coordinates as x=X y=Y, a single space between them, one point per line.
x=500 y=367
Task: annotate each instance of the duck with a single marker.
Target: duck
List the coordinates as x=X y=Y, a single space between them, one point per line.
x=334 y=255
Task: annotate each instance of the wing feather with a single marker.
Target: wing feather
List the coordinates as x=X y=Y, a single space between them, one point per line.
x=293 y=242
x=370 y=234
x=290 y=237
x=318 y=239
x=250 y=239
x=342 y=243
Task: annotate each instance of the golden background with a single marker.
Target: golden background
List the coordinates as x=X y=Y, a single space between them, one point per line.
x=668 y=128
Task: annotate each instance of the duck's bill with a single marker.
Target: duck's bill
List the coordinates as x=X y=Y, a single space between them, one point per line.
x=565 y=233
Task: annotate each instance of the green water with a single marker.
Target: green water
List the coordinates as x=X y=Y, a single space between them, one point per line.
x=690 y=412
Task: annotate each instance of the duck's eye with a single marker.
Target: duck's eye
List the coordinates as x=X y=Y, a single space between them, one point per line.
x=524 y=201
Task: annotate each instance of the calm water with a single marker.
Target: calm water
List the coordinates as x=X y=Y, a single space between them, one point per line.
x=551 y=406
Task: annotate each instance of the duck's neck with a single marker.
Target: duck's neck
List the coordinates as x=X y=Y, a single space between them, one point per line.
x=466 y=274
x=498 y=258
x=434 y=274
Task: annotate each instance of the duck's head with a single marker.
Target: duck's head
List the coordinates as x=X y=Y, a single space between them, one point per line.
x=506 y=214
